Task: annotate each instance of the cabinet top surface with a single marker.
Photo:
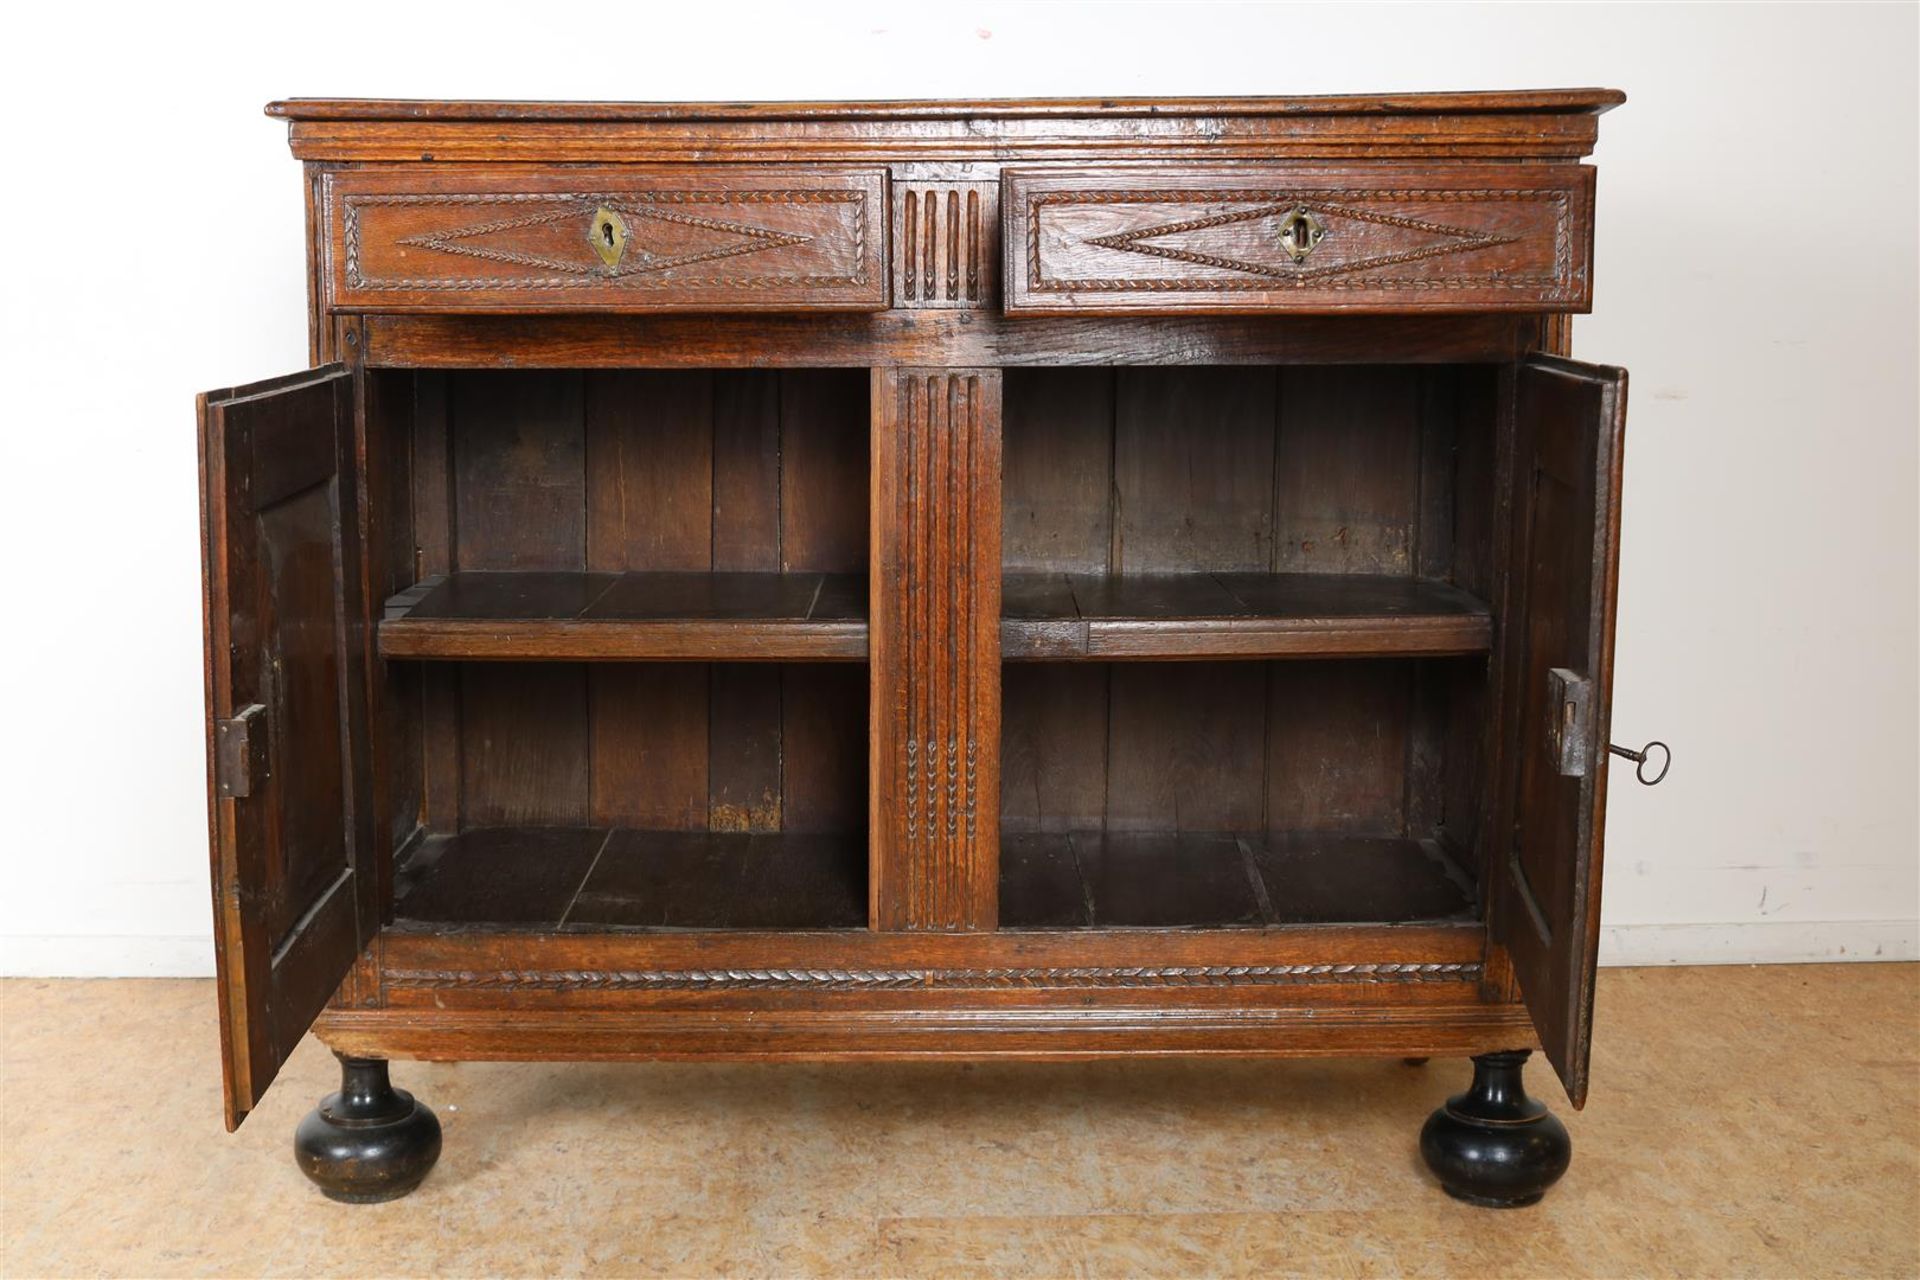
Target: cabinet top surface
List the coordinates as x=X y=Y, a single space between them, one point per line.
x=1533 y=101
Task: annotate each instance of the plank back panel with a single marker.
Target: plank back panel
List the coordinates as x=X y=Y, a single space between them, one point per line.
x=823 y=471
x=1186 y=747
x=1192 y=469
x=746 y=455
x=649 y=498
x=649 y=469
x=1347 y=470
x=1338 y=747
x=823 y=775
x=1361 y=747
x=649 y=745
x=1298 y=469
x=524 y=745
x=518 y=453
x=745 y=720
x=1053 y=746
x=1058 y=470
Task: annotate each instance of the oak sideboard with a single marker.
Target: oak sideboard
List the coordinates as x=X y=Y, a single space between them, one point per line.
x=995 y=580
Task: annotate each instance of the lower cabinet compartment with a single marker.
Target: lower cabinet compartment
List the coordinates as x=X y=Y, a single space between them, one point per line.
x=590 y=878
x=1094 y=879
x=1181 y=794
x=662 y=795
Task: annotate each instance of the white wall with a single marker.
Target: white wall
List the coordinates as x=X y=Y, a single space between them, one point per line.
x=1757 y=272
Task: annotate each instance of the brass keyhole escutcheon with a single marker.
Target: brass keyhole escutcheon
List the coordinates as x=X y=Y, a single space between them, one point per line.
x=607 y=233
x=1300 y=233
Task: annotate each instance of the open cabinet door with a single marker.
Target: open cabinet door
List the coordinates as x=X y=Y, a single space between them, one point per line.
x=1569 y=420
x=286 y=713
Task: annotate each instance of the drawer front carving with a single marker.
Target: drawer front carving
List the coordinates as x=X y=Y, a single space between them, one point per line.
x=604 y=239
x=946 y=239
x=1255 y=239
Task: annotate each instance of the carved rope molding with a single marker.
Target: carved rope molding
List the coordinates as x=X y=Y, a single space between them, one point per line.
x=1128 y=977
x=1562 y=280
x=634 y=202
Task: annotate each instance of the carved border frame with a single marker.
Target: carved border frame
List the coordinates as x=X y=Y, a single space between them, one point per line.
x=1561 y=286
x=352 y=202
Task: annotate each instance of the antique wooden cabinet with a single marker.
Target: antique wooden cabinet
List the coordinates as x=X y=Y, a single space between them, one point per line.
x=965 y=579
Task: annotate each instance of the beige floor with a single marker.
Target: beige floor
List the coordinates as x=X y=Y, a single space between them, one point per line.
x=1744 y=1122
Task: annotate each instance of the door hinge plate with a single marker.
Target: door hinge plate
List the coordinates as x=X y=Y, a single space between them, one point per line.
x=239 y=752
x=1570 y=724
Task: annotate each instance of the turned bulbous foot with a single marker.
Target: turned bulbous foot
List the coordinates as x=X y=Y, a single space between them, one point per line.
x=1493 y=1145
x=370 y=1141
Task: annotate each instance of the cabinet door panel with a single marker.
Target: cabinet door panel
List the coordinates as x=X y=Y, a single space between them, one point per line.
x=286 y=691
x=1568 y=432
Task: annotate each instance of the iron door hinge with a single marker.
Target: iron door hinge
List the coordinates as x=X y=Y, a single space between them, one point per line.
x=1570 y=722
x=239 y=753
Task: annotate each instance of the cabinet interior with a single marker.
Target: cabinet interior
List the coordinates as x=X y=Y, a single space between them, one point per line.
x=1246 y=627
x=1343 y=784
x=686 y=793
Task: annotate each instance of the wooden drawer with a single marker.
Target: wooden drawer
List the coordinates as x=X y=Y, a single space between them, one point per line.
x=607 y=239
x=1295 y=238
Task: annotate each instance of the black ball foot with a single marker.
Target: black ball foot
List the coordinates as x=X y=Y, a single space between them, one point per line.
x=370 y=1141
x=1493 y=1145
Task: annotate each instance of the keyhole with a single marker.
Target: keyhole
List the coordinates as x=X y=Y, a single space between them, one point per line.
x=606 y=233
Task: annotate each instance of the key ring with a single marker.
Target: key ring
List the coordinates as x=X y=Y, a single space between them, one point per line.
x=1639 y=759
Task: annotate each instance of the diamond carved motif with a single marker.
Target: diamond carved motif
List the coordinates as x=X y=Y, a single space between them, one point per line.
x=1296 y=228
x=611 y=238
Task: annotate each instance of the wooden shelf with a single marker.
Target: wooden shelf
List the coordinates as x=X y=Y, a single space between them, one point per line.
x=595 y=878
x=811 y=616
x=1236 y=615
x=615 y=616
x=1166 y=879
